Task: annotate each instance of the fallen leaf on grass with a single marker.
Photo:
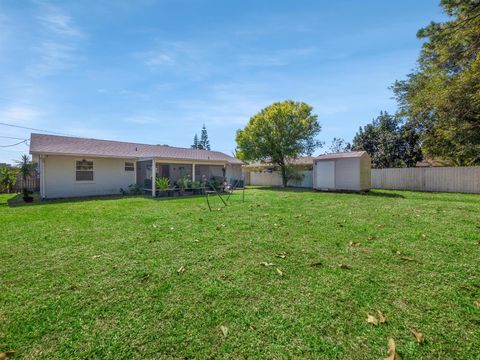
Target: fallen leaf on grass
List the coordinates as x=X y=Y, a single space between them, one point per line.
x=266 y=263
x=381 y=317
x=372 y=319
x=418 y=335
x=375 y=321
x=181 y=269
x=476 y=303
x=145 y=277
x=224 y=330
x=407 y=258
x=372 y=238
x=345 y=266
x=6 y=355
x=279 y=272
x=281 y=255
x=392 y=351
x=355 y=244
x=96 y=256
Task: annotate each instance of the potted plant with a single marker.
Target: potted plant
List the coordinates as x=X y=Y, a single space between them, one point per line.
x=27 y=195
x=183 y=183
x=162 y=185
x=196 y=187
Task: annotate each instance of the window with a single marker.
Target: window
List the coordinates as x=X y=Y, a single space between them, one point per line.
x=84 y=170
x=129 y=166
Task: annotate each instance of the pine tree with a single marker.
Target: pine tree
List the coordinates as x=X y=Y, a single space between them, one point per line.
x=195 y=142
x=204 y=142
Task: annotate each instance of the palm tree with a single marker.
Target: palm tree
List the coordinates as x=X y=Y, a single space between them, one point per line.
x=8 y=178
x=25 y=168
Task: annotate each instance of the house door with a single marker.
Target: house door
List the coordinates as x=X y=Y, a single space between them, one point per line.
x=325 y=174
x=165 y=171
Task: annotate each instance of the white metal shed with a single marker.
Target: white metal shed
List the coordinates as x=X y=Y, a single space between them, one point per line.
x=347 y=171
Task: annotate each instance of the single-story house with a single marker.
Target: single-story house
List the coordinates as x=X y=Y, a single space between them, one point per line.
x=71 y=166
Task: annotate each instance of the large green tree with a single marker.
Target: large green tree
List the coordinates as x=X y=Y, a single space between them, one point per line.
x=389 y=142
x=441 y=98
x=280 y=133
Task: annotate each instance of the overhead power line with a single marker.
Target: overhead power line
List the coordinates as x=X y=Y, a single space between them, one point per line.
x=11 y=137
x=33 y=129
x=21 y=142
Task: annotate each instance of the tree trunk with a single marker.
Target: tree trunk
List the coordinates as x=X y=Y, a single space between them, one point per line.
x=284 y=175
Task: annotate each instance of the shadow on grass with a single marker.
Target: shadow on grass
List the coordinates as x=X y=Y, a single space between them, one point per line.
x=17 y=200
x=280 y=189
x=383 y=194
x=375 y=193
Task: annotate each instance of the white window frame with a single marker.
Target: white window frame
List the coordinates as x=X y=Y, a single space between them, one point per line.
x=125 y=166
x=93 y=171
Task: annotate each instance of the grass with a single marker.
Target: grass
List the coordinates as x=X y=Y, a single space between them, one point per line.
x=98 y=278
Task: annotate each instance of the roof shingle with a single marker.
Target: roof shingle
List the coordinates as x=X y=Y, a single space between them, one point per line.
x=65 y=145
x=341 y=155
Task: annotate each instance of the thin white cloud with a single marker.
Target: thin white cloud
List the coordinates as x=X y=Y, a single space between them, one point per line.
x=57 y=46
x=59 y=23
x=275 y=58
x=179 y=58
x=158 y=59
x=20 y=114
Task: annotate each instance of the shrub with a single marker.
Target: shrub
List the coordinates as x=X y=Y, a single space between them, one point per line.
x=133 y=189
x=183 y=183
x=162 y=183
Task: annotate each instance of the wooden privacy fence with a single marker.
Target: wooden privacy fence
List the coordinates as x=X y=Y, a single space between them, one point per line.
x=32 y=183
x=444 y=179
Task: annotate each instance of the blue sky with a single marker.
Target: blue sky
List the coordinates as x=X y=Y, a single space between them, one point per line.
x=155 y=71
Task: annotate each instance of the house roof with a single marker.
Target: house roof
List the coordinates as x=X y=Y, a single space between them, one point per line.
x=304 y=160
x=341 y=155
x=65 y=145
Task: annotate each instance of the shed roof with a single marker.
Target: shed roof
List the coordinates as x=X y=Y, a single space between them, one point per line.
x=341 y=155
x=65 y=145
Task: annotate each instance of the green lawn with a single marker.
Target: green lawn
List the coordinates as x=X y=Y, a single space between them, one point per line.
x=98 y=278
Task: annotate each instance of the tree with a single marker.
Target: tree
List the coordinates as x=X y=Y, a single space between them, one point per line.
x=279 y=133
x=441 y=98
x=25 y=167
x=196 y=143
x=8 y=178
x=389 y=142
x=339 y=145
x=204 y=142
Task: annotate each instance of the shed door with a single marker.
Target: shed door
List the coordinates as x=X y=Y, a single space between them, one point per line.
x=325 y=174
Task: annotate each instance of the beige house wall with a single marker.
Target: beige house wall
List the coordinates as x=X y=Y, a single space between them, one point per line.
x=58 y=177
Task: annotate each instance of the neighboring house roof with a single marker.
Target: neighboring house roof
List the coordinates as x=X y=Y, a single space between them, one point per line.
x=304 y=160
x=64 y=145
x=341 y=155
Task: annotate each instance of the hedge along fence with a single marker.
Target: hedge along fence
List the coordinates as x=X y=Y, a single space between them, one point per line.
x=32 y=183
x=442 y=179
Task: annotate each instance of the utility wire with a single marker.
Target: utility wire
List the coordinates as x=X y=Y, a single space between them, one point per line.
x=21 y=142
x=11 y=137
x=28 y=128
